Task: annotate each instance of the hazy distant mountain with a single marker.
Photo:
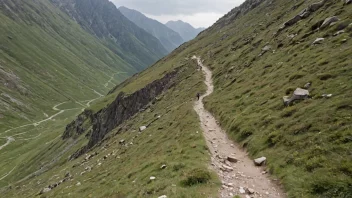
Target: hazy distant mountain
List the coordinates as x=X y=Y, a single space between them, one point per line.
x=168 y=37
x=102 y=19
x=187 y=31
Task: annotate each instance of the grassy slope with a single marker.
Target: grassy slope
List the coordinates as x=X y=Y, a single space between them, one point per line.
x=306 y=144
x=55 y=61
x=48 y=52
x=174 y=140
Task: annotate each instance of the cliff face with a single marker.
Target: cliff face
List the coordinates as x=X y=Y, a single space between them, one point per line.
x=122 y=109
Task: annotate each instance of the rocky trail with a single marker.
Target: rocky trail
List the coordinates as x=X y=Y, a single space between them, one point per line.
x=238 y=173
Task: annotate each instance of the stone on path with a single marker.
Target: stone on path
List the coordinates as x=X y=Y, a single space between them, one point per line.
x=260 y=161
x=232 y=159
x=242 y=190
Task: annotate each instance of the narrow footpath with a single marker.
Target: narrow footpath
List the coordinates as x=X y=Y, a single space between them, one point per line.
x=241 y=178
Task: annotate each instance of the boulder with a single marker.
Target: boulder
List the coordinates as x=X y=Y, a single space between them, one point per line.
x=318 y=41
x=328 y=21
x=260 y=161
x=142 y=128
x=348 y=2
x=315 y=6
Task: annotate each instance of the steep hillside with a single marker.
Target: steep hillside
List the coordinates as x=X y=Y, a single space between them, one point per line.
x=186 y=31
x=169 y=38
x=45 y=58
x=104 y=20
x=257 y=53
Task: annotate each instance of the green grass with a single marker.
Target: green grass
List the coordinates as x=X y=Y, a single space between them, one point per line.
x=174 y=140
x=307 y=144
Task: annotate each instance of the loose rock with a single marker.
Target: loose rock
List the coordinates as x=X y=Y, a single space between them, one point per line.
x=163 y=196
x=329 y=21
x=318 y=41
x=242 y=190
x=163 y=166
x=152 y=178
x=339 y=32
x=142 y=128
x=232 y=159
x=260 y=161
x=250 y=191
x=45 y=190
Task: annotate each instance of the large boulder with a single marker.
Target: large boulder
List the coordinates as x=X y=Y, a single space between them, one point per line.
x=260 y=161
x=328 y=21
x=298 y=94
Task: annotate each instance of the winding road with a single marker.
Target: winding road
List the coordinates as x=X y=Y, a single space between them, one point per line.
x=235 y=177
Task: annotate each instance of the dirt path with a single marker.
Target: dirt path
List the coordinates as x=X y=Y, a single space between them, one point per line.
x=237 y=178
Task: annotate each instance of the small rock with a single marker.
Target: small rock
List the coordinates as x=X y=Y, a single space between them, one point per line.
x=327 y=95
x=226 y=168
x=152 y=178
x=122 y=141
x=163 y=196
x=348 y=2
x=308 y=85
x=250 y=191
x=318 y=41
x=105 y=157
x=99 y=164
x=343 y=40
x=266 y=48
x=247 y=196
x=260 y=161
x=45 y=190
x=78 y=184
x=339 y=32
x=232 y=159
x=142 y=128
x=242 y=191
x=68 y=175
x=328 y=21
x=163 y=166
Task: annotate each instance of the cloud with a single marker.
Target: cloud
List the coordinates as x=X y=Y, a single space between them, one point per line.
x=190 y=10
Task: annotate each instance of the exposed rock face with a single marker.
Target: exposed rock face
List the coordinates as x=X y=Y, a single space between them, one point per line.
x=123 y=108
x=237 y=12
x=77 y=125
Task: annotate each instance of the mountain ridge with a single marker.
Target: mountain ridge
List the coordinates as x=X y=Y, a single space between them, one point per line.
x=169 y=38
x=186 y=30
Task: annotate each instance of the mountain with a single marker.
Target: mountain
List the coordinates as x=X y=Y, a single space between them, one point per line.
x=152 y=137
x=187 y=31
x=102 y=19
x=169 y=38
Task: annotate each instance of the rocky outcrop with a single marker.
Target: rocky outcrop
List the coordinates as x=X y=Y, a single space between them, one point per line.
x=76 y=127
x=237 y=12
x=303 y=14
x=122 y=109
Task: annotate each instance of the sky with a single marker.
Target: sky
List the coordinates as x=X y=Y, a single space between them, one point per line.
x=199 y=13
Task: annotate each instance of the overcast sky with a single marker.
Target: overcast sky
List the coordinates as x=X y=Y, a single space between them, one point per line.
x=199 y=13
